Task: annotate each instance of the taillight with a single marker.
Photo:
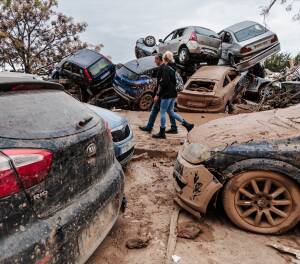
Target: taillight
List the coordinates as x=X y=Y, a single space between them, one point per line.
x=274 y=39
x=108 y=129
x=87 y=74
x=245 y=49
x=193 y=36
x=32 y=166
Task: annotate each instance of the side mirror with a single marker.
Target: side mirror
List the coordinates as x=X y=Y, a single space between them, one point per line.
x=160 y=41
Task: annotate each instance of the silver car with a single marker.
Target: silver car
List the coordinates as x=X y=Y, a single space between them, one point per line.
x=192 y=42
x=246 y=43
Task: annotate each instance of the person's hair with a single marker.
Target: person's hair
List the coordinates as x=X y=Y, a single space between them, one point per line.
x=168 y=57
x=160 y=56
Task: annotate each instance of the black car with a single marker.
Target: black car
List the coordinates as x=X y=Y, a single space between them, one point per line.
x=61 y=188
x=254 y=160
x=89 y=70
x=135 y=82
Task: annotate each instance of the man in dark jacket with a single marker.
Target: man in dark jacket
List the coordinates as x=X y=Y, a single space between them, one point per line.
x=156 y=106
x=167 y=95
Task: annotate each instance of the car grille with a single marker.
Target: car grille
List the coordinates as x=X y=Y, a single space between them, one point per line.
x=121 y=134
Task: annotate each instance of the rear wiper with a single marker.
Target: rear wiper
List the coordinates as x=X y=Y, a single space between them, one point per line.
x=85 y=121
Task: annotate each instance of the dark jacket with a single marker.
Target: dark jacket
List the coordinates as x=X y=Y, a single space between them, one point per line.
x=166 y=80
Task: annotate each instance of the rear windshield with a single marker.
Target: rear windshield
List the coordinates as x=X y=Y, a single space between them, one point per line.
x=201 y=86
x=97 y=67
x=129 y=74
x=206 y=32
x=250 y=32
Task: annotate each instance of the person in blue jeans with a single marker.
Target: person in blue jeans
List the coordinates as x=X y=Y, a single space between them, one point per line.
x=156 y=106
x=167 y=95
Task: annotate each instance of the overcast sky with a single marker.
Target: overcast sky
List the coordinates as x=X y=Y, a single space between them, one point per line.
x=117 y=24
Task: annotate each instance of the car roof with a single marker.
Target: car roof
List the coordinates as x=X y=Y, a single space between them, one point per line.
x=241 y=25
x=84 y=57
x=141 y=65
x=211 y=72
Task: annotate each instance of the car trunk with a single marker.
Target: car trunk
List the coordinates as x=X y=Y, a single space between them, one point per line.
x=55 y=121
x=259 y=43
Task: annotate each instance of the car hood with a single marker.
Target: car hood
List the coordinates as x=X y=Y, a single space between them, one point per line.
x=113 y=119
x=268 y=125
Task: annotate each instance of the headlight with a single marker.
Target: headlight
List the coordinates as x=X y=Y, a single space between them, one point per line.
x=195 y=153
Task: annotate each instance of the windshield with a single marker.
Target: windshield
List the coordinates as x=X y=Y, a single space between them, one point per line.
x=98 y=66
x=250 y=32
x=129 y=74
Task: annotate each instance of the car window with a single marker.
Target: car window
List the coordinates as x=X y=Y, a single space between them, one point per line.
x=169 y=37
x=250 y=32
x=206 y=32
x=127 y=73
x=76 y=69
x=227 y=38
x=201 y=86
x=179 y=33
x=67 y=66
x=97 y=67
x=226 y=81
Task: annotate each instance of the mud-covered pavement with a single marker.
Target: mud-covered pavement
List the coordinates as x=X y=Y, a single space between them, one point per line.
x=149 y=190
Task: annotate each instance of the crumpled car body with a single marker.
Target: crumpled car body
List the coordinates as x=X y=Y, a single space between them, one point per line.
x=221 y=150
x=135 y=82
x=143 y=50
x=210 y=89
x=246 y=43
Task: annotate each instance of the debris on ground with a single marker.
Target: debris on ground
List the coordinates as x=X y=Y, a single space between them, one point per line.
x=137 y=242
x=142 y=156
x=286 y=250
x=176 y=259
x=188 y=230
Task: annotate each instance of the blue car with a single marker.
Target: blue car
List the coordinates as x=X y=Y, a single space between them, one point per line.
x=121 y=133
x=135 y=82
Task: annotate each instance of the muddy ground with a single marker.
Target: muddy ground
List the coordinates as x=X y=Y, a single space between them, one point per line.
x=150 y=195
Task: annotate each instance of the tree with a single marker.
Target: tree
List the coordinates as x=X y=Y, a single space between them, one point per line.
x=33 y=36
x=289 y=6
x=278 y=62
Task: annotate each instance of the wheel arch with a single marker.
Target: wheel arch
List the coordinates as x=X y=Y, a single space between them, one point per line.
x=265 y=165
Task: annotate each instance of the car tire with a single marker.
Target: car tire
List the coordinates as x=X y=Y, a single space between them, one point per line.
x=263 y=202
x=184 y=55
x=150 y=41
x=145 y=102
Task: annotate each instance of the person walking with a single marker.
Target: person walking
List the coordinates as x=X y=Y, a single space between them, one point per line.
x=167 y=95
x=156 y=105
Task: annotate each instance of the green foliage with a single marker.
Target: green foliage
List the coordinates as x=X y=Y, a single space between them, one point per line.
x=278 y=62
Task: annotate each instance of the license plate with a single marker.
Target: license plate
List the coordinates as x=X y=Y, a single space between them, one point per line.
x=97 y=230
x=261 y=44
x=126 y=147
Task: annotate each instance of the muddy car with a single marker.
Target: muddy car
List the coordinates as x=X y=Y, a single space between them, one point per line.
x=61 y=188
x=246 y=43
x=210 y=89
x=251 y=161
x=135 y=82
x=85 y=74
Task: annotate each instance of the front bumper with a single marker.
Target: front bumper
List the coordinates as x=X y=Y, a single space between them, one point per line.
x=122 y=93
x=124 y=149
x=195 y=185
x=73 y=233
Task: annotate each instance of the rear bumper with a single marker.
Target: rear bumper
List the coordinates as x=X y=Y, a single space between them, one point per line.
x=248 y=63
x=198 y=51
x=72 y=234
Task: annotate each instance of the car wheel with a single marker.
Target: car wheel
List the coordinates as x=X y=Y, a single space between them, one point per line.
x=150 y=41
x=263 y=202
x=145 y=102
x=266 y=92
x=184 y=55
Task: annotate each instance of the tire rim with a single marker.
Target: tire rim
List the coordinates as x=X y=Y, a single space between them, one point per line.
x=182 y=55
x=146 y=102
x=150 y=41
x=263 y=202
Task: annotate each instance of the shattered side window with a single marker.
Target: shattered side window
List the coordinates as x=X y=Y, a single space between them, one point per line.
x=250 y=32
x=201 y=86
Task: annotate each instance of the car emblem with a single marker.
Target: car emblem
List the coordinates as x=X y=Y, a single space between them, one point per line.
x=91 y=150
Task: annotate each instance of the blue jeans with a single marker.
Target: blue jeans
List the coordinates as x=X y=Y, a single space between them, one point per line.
x=167 y=106
x=153 y=115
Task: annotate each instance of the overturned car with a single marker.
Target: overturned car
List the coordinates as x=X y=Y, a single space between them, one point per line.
x=252 y=159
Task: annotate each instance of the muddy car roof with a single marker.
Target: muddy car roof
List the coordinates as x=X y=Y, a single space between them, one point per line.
x=84 y=58
x=141 y=65
x=239 y=26
x=211 y=72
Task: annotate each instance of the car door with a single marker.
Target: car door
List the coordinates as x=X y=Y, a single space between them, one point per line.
x=177 y=40
x=227 y=43
x=165 y=44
